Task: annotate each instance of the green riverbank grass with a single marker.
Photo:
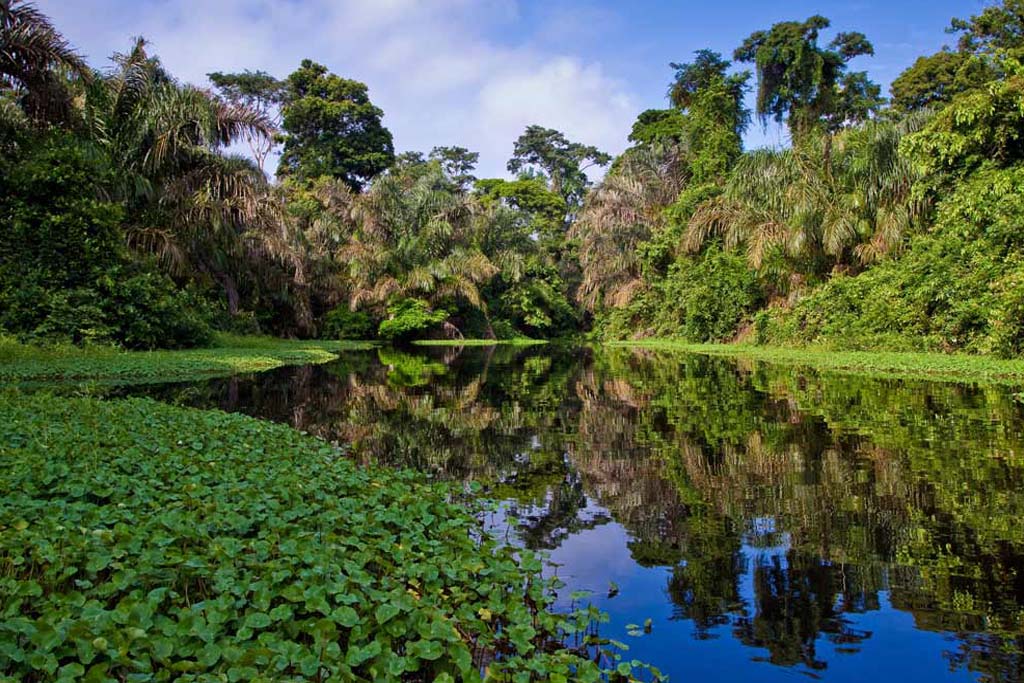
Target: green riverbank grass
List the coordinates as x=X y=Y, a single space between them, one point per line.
x=139 y=541
x=934 y=366
x=229 y=355
x=480 y=342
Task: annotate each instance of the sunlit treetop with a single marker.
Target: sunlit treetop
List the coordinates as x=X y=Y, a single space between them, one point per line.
x=804 y=83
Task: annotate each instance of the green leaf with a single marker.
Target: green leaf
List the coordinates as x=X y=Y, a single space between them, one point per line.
x=257 y=620
x=385 y=612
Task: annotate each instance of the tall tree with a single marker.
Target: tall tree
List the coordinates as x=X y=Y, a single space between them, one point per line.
x=457 y=163
x=260 y=92
x=938 y=78
x=621 y=213
x=186 y=201
x=332 y=129
x=35 y=60
x=791 y=204
x=999 y=26
x=715 y=116
x=563 y=162
x=415 y=237
x=806 y=84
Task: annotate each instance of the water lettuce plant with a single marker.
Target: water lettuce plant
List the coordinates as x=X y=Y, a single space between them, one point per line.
x=140 y=541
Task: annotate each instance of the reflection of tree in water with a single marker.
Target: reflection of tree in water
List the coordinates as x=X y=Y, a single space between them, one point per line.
x=769 y=458
x=826 y=492
x=798 y=599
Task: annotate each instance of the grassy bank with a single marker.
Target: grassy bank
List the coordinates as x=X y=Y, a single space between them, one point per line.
x=937 y=366
x=229 y=355
x=479 y=342
x=143 y=541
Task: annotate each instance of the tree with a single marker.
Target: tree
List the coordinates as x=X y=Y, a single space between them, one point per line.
x=457 y=163
x=416 y=237
x=804 y=83
x=939 y=77
x=658 y=125
x=563 y=162
x=332 y=128
x=936 y=79
x=620 y=214
x=815 y=210
x=543 y=209
x=715 y=116
x=186 y=202
x=707 y=69
x=998 y=27
x=260 y=92
x=34 y=61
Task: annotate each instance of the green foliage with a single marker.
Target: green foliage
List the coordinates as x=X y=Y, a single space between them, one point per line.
x=229 y=355
x=408 y=318
x=142 y=540
x=953 y=289
x=57 y=232
x=804 y=82
x=701 y=299
x=332 y=128
x=258 y=91
x=708 y=298
x=65 y=273
x=562 y=161
x=999 y=26
x=658 y=125
x=457 y=163
x=537 y=306
x=936 y=79
x=978 y=127
x=342 y=322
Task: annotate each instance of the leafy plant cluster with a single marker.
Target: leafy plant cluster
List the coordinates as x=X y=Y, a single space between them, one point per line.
x=880 y=227
x=142 y=540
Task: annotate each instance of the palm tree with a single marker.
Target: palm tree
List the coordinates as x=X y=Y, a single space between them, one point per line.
x=830 y=202
x=36 y=61
x=187 y=202
x=416 y=237
x=623 y=211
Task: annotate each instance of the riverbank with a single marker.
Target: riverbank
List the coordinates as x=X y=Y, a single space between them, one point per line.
x=230 y=354
x=140 y=538
x=933 y=366
x=480 y=342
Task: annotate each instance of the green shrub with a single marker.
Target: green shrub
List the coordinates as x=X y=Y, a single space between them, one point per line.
x=707 y=298
x=409 y=318
x=956 y=288
x=65 y=274
x=344 y=323
x=142 y=541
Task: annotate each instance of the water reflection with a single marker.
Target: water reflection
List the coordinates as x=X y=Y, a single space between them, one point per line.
x=770 y=520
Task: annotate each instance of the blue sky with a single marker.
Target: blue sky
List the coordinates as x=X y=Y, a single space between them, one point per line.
x=476 y=72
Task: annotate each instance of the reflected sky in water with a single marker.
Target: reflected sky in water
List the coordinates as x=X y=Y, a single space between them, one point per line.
x=773 y=523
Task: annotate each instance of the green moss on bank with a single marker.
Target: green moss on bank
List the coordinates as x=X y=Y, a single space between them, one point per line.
x=143 y=541
x=935 y=366
x=230 y=355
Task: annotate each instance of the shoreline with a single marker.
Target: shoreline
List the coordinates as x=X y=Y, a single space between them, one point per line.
x=885 y=364
x=230 y=355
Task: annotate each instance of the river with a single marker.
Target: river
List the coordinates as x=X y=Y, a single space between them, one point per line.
x=771 y=523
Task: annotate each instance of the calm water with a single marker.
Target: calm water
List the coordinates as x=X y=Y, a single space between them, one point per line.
x=772 y=523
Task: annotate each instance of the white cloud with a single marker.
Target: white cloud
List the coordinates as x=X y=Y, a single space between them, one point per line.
x=441 y=69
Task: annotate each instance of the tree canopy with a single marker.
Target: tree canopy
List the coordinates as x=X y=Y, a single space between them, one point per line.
x=331 y=128
x=804 y=83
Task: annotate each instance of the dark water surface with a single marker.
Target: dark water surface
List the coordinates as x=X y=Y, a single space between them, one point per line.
x=773 y=523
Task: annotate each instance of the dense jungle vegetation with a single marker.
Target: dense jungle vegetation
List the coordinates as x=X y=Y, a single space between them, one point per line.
x=885 y=224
